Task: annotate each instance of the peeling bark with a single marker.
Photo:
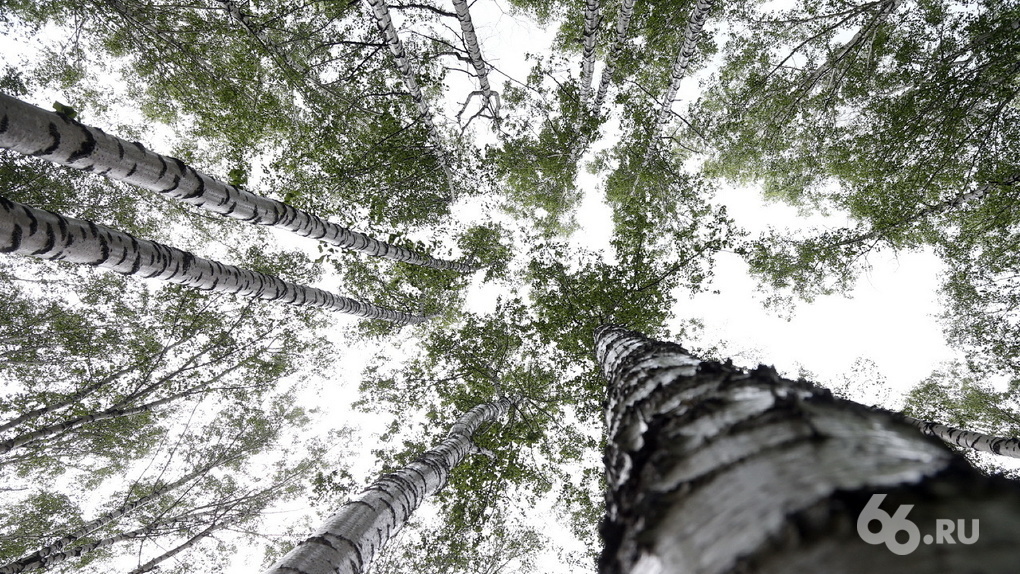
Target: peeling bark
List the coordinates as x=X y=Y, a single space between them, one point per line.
x=712 y=469
x=30 y=130
x=43 y=234
x=349 y=539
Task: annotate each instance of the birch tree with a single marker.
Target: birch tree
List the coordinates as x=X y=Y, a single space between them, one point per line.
x=350 y=538
x=383 y=21
x=32 y=131
x=490 y=99
x=46 y=235
x=623 y=18
x=693 y=444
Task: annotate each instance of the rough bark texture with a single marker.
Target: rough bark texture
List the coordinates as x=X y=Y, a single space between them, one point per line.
x=1004 y=446
x=28 y=231
x=383 y=21
x=622 y=27
x=712 y=469
x=33 y=131
x=349 y=539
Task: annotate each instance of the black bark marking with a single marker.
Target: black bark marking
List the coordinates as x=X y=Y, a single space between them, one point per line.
x=120 y=150
x=173 y=186
x=15 y=240
x=5 y=124
x=33 y=224
x=55 y=134
x=51 y=240
x=85 y=149
x=200 y=190
x=162 y=167
x=132 y=171
x=138 y=258
x=104 y=246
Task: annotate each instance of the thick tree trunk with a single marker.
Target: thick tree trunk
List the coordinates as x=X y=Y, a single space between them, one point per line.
x=383 y=21
x=349 y=539
x=28 y=231
x=1004 y=446
x=27 y=129
x=712 y=469
x=622 y=28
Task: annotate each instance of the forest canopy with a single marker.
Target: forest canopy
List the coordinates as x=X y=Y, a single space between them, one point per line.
x=490 y=183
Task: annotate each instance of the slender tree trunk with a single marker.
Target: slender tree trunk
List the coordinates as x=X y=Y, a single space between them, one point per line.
x=681 y=65
x=712 y=469
x=155 y=562
x=349 y=539
x=117 y=411
x=70 y=399
x=1004 y=446
x=383 y=21
x=622 y=27
x=467 y=29
x=55 y=547
x=592 y=16
x=30 y=130
x=28 y=231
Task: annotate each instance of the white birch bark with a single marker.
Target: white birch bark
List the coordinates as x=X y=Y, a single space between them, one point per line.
x=467 y=29
x=30 y=130
x=592 y=16
x=38 y=233
x=712 y=469
x=348 y=540
x=681 y=65
x=383 y=21
x=1004 y=446
x=622 y=28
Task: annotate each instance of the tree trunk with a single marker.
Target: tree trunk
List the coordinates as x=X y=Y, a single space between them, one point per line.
x=383 y=21
x=592 y=15
x=622 y=27
x=969 y=439
x=467 y=29
x=712 y=469
x=55 y=547
x=27 y=129
x=347 y=541
x=28 y=231
x=681 y=65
